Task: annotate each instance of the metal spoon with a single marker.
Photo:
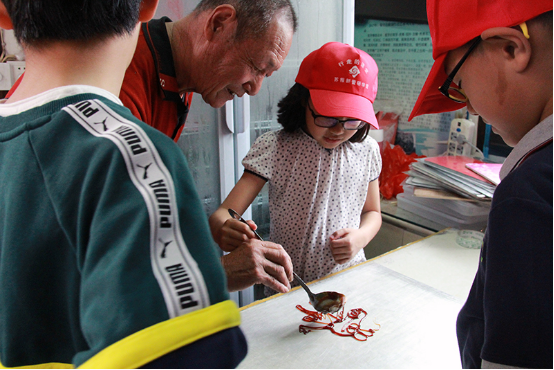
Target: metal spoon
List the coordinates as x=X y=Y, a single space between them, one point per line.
x=324 y=302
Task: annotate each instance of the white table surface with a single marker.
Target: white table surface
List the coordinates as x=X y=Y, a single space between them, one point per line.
x=437 y=261
x=414 y=292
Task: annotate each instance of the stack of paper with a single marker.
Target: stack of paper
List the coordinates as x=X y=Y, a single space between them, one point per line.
x=448 y=177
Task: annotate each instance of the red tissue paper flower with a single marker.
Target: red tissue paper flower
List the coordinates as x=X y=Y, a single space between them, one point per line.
x=395 y=163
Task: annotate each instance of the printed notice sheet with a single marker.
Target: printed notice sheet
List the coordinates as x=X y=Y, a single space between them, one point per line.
x=403 y=52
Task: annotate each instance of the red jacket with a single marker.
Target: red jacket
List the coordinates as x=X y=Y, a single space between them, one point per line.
x=150 y=89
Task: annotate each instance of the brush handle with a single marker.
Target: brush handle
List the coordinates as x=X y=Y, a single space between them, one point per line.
x=236 y=216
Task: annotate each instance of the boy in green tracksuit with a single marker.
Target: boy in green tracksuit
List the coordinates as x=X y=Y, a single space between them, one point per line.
x=106 y=258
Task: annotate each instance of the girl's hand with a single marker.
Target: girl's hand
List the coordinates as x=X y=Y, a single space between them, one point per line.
x=346 y=243
x=233 y=233
x=227 y=232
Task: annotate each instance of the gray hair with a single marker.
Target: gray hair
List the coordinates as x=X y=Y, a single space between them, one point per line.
x=253 y=16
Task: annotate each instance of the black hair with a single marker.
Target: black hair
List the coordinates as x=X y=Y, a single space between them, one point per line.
x=36 y=21
x=253 y=16
x=292 y=112
x=544 y=19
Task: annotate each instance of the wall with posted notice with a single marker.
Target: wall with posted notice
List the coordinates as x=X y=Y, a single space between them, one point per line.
x=403 y=52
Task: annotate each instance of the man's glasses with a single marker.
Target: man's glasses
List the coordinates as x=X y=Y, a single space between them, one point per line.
x=454 y=92
x=328 y=122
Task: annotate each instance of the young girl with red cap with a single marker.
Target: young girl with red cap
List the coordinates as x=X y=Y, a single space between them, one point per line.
x=322 y=168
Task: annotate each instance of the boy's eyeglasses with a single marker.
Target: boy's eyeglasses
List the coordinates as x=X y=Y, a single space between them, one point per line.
x=328 y=122
x=452 y=91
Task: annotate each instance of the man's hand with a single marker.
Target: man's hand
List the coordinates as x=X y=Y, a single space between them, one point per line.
x=258 y=262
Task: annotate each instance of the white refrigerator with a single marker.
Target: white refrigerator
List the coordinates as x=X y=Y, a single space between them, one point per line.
x=216 y=140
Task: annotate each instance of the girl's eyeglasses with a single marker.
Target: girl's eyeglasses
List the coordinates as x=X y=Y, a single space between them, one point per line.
x=328 y=122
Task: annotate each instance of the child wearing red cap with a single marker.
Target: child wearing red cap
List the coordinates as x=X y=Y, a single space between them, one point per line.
x=495 y=57
x=322 y=168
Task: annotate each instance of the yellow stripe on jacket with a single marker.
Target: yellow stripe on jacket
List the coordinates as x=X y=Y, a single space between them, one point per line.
x=158 y=340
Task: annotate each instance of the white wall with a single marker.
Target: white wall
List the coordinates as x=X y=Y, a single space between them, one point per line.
x=175 y=9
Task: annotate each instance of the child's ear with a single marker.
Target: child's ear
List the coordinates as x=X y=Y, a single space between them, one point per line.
x=5 y=20
x=515 y=47
x=147 y=10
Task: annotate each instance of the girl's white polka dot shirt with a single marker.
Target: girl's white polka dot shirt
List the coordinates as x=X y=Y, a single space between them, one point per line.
x=313 y=192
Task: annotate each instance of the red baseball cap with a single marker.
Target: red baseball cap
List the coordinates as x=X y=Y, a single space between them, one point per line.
x=454 y=23
x=342 y=81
